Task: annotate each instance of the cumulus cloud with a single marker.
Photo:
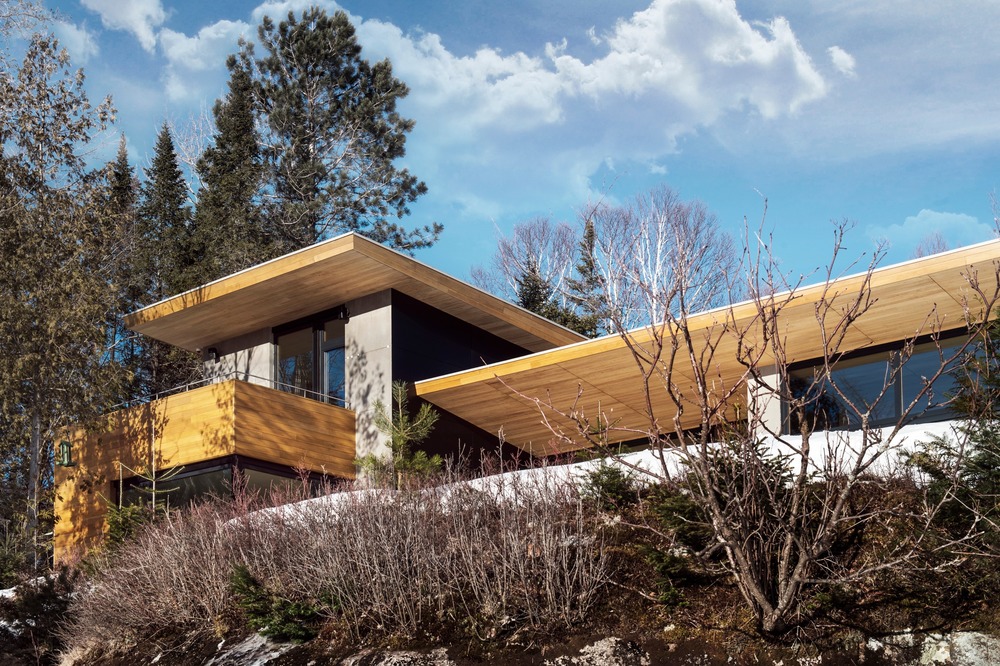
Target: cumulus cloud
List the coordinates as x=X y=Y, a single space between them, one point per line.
x=675 y=68
x=80 y=42
x=703 y=57
x=140 y=17
x=957 y=229
x=193 y=62
x=487 y=89
x=842 y=60
x=278 y=10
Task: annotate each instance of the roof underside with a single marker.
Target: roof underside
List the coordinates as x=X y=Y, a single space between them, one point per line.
x=602 y=376
x=323 y=276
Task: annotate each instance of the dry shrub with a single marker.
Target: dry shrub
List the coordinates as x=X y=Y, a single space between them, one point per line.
x=172 y=577
x=491 y=556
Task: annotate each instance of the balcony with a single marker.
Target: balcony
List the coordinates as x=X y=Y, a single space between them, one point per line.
x=218 y=421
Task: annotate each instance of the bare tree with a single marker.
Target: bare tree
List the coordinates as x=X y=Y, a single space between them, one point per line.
x=777 y=500
x=658 y=254
x=932 y=243
x=538 y=243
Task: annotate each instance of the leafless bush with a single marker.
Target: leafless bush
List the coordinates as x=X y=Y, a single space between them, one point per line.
x=173 y=576
x=499 y=555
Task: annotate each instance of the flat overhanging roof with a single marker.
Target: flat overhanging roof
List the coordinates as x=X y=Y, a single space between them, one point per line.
x=324 y=276
x=602 y=375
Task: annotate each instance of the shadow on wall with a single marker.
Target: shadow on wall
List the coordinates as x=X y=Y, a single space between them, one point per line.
x=364 y=380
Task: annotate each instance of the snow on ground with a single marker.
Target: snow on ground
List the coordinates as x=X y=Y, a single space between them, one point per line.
x=843 y=443
x=645 y=465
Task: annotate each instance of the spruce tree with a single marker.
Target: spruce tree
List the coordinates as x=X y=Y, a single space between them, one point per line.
x=164 y=262
x=228 y=233
x=586 y=290
x=120 y=220
x=534 y=293
x=165 y=223
x=334 y=134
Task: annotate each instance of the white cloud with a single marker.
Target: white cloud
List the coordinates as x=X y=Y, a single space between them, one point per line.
x=842 y=60
x=279 y=10
x=957 y=229
x=675 y=68
x=592 y=34
x=80 y=42
x=140 y=17
x=193 y=70
x=702 y=57
x=488 y=89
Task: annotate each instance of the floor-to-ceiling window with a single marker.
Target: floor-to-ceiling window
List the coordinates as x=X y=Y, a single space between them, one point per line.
x=310 y=358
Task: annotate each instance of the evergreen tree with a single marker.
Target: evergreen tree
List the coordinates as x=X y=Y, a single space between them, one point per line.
x=54 y=283
x=586 y=290
x=533 y=292
x=228 y=233
x=334 y=134
x=120 y=215
x=164 y=262
x=536 y=295
x=164 y=224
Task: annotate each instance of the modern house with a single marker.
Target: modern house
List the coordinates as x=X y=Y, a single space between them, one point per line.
x=298 y=350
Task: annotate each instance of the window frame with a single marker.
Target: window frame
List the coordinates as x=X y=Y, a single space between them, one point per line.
x=888 y=353
x=316 y=324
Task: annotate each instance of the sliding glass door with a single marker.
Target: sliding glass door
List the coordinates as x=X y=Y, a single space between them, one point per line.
x=311 y=359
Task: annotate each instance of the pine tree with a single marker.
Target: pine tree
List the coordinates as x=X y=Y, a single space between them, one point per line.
x=164 y=262
x=228 y=233
x=54 y=283
x=334 y=134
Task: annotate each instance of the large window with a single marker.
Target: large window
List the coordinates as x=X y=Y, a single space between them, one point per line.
x=310 y=358
x=178 y=487
x=871 y=384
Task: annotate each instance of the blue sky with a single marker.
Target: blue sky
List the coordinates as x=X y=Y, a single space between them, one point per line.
x=884 y=113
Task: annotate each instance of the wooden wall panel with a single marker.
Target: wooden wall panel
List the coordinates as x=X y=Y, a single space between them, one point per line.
x=284 y=428
x=203 y=424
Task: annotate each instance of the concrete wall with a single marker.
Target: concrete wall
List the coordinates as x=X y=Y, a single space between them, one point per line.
x=249 y=358
x=369 y=366
x=368 y=343
x=764 y=403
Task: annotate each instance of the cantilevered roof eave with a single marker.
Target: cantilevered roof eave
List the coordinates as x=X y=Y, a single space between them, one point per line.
x=321 y=276
x=910 y=298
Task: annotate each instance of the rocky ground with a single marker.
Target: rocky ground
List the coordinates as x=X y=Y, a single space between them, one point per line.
x=956 y=649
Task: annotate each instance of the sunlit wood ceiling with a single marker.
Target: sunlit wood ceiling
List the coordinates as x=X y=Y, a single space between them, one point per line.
x=323 y=276
x=602 y=377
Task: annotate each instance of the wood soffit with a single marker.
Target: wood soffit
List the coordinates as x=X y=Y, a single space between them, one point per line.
x=323 y=276
x=602 y=376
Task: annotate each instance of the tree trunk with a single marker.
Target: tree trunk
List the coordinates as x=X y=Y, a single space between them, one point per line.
x=34 y=487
